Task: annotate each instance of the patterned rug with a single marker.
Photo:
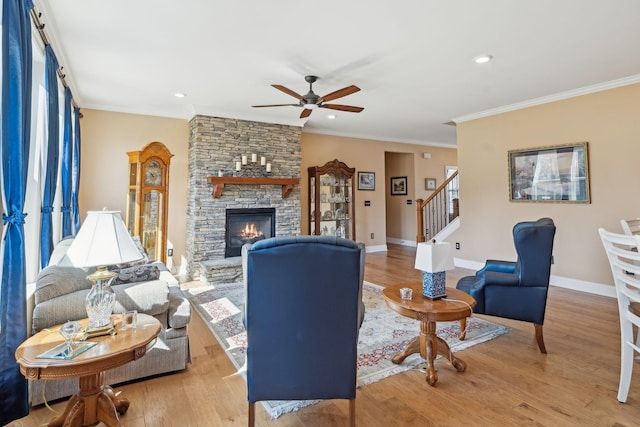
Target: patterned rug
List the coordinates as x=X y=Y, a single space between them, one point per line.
x=383 y=334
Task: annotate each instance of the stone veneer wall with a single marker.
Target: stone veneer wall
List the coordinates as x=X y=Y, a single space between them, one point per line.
x=216 y=144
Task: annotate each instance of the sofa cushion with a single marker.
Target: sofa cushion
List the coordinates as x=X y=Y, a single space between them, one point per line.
x=59 y=310
x=149 y=297
x=57 y=280
x=140 y=273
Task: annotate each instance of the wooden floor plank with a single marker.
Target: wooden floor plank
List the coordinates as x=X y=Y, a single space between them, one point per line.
x=508 y=382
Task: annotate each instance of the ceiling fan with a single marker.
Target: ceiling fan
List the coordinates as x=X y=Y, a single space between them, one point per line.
x=311 y=101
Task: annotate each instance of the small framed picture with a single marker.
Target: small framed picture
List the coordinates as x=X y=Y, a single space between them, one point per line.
x=399 y=186
x=367 y=181
x=430 y=184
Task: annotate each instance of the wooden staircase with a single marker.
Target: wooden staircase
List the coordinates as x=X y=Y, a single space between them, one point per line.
x=439 y=210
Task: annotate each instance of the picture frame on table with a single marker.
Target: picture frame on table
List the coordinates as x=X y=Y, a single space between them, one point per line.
x=399 y=186
x=367 y=181
x=551 y=174
x=430 y=184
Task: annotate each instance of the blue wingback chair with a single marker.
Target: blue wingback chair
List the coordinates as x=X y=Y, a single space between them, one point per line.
x=303 y=311
x=517 y=290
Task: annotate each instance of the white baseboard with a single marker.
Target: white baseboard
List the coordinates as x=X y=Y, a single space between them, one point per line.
x=376 y=248
x=401 y=242
x=559 y=281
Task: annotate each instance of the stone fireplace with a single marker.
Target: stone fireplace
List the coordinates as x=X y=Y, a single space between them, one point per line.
x=216 y=144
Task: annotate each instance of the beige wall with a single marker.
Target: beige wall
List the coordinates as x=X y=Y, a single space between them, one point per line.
x=401 y=217
x=608 y=121
x=106 y=139
x=367 y=155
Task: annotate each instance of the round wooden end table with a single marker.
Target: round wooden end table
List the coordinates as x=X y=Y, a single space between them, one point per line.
x=457 y=305
x=95 y=401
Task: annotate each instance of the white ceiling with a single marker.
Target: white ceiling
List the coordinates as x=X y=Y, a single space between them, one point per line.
x=412 y=59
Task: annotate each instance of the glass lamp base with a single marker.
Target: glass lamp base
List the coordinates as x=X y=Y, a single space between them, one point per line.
x=100 y=299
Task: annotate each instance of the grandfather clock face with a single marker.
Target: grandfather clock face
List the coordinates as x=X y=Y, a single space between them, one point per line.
x=153 y=174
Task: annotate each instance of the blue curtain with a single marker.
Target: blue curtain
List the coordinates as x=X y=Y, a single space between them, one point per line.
x=53 y=154
x=15 y=137
x=75 y=173
x=67 y=152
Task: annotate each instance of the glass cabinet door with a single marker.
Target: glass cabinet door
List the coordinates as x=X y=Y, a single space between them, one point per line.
x=331 y=207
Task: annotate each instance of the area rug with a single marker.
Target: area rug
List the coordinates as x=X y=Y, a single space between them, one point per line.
x=383 y=334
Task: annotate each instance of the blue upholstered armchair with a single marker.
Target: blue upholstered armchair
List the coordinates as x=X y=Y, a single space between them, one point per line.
x=517 y=290
x=303 y=312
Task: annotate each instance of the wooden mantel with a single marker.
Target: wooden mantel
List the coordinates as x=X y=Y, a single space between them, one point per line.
x=219 y=182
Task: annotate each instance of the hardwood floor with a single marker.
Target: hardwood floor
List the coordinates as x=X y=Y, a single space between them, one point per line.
x=508 y=382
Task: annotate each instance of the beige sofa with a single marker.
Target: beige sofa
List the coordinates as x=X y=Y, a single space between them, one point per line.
x=60 y=296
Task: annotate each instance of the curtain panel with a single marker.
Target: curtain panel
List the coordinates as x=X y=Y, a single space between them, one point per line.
x=14 y=146
x=75 y=173
x=67 y=173
x=53 y=154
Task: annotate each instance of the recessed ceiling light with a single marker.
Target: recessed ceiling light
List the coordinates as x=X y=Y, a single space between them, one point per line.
x=179 y=95
x=482 y=59
x=331 y=116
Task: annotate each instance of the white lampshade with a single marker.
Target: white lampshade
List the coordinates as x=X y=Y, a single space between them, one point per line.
x=103 y=239
x=434 y=257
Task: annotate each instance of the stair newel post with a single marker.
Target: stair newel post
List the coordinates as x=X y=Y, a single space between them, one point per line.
x=420 y=237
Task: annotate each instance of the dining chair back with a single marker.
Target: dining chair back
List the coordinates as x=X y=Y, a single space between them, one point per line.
x=630 y=226
x=624 y=260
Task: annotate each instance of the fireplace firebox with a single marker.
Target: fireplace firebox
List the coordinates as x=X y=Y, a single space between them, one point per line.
x=247 y=226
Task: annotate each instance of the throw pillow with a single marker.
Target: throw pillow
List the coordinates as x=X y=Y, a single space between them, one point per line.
x=139 y=273
x=57 y=280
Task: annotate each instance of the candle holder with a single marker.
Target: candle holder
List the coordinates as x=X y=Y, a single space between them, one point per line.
x=252 y=166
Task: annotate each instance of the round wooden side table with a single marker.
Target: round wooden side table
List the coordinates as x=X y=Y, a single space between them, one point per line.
x=95 y=401
x=457 y=305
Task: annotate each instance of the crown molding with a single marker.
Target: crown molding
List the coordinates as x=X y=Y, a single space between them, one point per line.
x=551 y=98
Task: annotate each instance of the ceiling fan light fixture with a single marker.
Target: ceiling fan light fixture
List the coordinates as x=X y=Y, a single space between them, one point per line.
x=482 y=59
x=310 y=106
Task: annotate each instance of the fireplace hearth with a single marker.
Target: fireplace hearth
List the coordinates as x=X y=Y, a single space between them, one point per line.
x=247 y=226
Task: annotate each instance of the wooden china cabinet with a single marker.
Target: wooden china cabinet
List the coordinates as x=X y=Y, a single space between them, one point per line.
x=331 y=200
x=148 y=198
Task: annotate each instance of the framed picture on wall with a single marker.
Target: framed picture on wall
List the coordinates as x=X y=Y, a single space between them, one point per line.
x=399 y=186
x=367 y=181
x=556 y=173
x=430 y=184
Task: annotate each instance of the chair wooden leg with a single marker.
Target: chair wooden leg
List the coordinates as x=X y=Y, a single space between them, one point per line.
x=252 y=414
x=352 y=413
x=540 y=338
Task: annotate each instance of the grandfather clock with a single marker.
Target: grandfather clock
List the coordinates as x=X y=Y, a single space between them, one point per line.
x=148 y=198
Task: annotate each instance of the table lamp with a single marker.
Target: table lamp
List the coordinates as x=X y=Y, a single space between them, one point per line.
x=434 y=258
x=102 y=240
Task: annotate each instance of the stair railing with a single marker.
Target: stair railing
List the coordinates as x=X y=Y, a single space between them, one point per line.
x=438 y=210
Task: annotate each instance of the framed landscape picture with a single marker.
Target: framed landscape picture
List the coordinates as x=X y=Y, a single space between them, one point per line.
x=399 y=186
x=366 y=181
x=557 y=173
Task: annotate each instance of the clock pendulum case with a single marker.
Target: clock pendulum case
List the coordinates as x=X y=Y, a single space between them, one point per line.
x=148 y=198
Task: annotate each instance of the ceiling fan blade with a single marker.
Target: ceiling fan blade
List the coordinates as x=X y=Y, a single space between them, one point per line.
x=276 y=105
x=340 y=93
x=305 y=113
x=350 y=108
x=288 y=91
